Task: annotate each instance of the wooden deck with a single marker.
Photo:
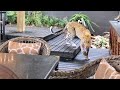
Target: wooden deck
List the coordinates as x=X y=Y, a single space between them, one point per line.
x=38 y=32
x=58 y=47
x=74 y=57
x=79 y=61
x=56 y=42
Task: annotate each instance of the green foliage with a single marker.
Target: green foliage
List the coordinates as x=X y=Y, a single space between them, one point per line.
x=34 y=18
x=11 y=17
x=53 y=21
x=78 y=16
x=63 y=22
x=37 y=18
x=45 y=20
x=101 y=41
x=86 y=19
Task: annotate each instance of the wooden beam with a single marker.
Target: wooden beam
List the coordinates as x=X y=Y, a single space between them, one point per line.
x=21 y=21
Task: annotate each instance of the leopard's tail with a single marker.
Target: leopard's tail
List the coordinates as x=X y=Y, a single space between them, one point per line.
x=57 y=33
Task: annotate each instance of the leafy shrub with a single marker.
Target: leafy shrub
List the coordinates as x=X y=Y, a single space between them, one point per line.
x=45 y=20
x=11 y=17
x=101 y=41
x=37 y=18
x=34 y=18
x=86 y=19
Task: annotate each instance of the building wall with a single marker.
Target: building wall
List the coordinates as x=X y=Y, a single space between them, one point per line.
x=100 y=17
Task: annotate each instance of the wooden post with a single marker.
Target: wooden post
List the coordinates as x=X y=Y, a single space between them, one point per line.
x=21 y=21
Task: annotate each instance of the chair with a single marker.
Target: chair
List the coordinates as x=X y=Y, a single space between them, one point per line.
x=87 y=70
x=44 y=50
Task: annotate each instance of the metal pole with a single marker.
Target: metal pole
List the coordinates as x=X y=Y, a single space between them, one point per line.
x=0 y=27
x=4 y=25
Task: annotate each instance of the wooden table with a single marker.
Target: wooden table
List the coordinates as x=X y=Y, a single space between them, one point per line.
x=114 y=38
x=17 y=66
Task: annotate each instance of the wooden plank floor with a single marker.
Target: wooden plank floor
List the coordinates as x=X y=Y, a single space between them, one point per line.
x=57 y=44
x=38 y=32
x=79 y=59
x=58 y=47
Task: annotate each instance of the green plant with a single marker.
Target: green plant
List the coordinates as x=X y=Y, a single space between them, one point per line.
x=61 y=22
x=45 y=20
x=11 y=17
x=101 y=41
x=53 y=21
x=37 y=18
x=34 y=18
x=86 y=19
x=28 y=19
x=64 y=21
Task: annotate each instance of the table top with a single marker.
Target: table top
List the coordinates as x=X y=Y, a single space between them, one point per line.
x=116 y=26
x=27 y=66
